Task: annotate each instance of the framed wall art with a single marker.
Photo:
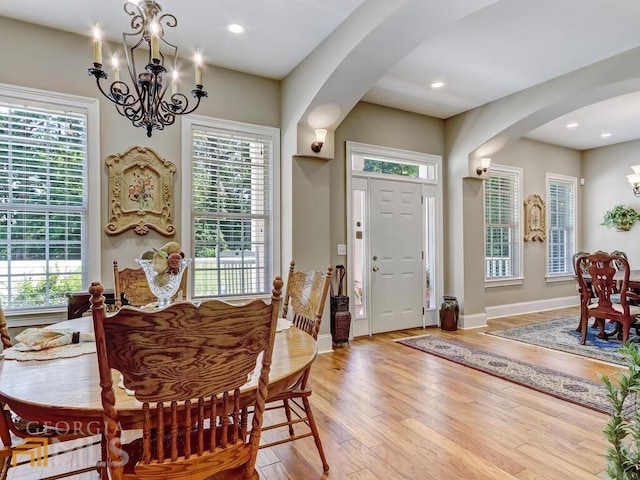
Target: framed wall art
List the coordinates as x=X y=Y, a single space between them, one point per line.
x=534 y=219
x=140 y=192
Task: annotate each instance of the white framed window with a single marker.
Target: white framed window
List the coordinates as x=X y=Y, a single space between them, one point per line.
x=503 y=224
x=229 y=190
x=49 y=224
x=561 y=224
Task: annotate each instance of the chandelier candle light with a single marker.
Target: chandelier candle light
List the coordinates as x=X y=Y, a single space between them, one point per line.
x=144 y=103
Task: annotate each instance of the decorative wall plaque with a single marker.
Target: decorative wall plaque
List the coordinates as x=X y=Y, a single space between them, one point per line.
x=534 y=215
x=140 y=192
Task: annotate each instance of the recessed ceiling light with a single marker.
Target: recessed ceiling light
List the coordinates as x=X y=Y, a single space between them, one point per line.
x=235 y=28
x=605 y=134
x=437 y=85
x=573 y=125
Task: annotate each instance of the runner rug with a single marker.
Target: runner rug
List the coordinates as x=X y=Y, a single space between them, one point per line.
x=560 y=385
x=561 y=334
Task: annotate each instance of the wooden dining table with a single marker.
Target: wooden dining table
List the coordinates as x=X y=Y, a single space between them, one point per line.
x=634 y=279
x=65 y=392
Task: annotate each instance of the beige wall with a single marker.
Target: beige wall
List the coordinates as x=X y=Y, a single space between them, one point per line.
x=310 y=211
x=47 y=59
x=606 y=186
x=376 y=125
x=37 y=57
x=536 y=159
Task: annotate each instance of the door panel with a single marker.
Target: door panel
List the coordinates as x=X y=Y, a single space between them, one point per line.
x=397 y=266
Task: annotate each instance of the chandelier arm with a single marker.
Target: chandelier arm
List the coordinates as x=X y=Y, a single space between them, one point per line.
x=169 y=20
x=198 y=97
x=118 y=91
x=130 y=58
x=132 y=113
x=179 y=105
x=165 y=116
x=174 y=53
x=137 y=17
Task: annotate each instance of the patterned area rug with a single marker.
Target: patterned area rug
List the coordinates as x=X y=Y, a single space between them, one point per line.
x=566 y=387
x=561 y=335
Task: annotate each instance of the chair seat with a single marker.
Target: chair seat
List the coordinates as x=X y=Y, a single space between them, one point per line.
x=615 y=298
x=633 y=309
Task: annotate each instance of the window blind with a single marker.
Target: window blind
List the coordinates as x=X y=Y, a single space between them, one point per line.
x=231 y=212
x=43 y=205
x=502 y=225
x=561 y=237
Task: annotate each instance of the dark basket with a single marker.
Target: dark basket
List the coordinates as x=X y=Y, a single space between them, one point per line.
x=339 y=304
x=340 y=319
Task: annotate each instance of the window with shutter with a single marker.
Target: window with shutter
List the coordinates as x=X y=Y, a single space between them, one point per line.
x=43 y=197
x=502 y=205
x=232 y=214
x=561 y=219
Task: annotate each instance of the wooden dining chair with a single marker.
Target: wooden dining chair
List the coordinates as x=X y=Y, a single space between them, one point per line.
x=304 y=301
x=599 y=269
x=133 y=285
x=187 y=365
x=619 y=265
x=15 y=431
x=576 y=256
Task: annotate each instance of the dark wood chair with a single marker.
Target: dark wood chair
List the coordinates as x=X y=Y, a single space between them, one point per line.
x=619 y=265
x=132 y=285
x=577 y=255
x=186 y=365
x=599 y=269
x=304 y=301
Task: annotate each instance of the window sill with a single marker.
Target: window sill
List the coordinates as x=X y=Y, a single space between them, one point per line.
x=560 y=278
x=507 y=282
x=33 y=318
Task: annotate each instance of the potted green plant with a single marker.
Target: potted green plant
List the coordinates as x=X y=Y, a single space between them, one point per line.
x=623 y=428
x=620 y=217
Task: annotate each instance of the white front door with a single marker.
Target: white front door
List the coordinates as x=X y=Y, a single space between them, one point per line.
x=396 y=255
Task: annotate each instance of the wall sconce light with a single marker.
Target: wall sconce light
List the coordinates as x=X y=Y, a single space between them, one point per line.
x=634 y=180
x=321 y=135
x=484 y=165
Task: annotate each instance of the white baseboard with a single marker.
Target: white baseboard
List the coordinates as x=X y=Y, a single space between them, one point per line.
x=498 y=311
x=325 y=343
x=360 y=327
x=474 y=320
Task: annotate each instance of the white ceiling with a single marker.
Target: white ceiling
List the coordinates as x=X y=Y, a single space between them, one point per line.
x=499 y=48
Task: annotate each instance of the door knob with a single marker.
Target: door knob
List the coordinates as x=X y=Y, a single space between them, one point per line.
x=375 y=257
x=375 y=269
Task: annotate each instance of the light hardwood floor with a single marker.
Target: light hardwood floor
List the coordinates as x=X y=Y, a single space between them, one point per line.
x=389 y=412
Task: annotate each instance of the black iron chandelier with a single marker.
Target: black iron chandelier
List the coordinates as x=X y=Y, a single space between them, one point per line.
x=148 y=102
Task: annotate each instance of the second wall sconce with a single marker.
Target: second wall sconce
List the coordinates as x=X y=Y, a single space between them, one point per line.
x=321 y=135
x=634 y=180
x=484 y=165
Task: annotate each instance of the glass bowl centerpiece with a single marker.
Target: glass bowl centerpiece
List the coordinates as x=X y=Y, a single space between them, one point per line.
x=164 y=268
